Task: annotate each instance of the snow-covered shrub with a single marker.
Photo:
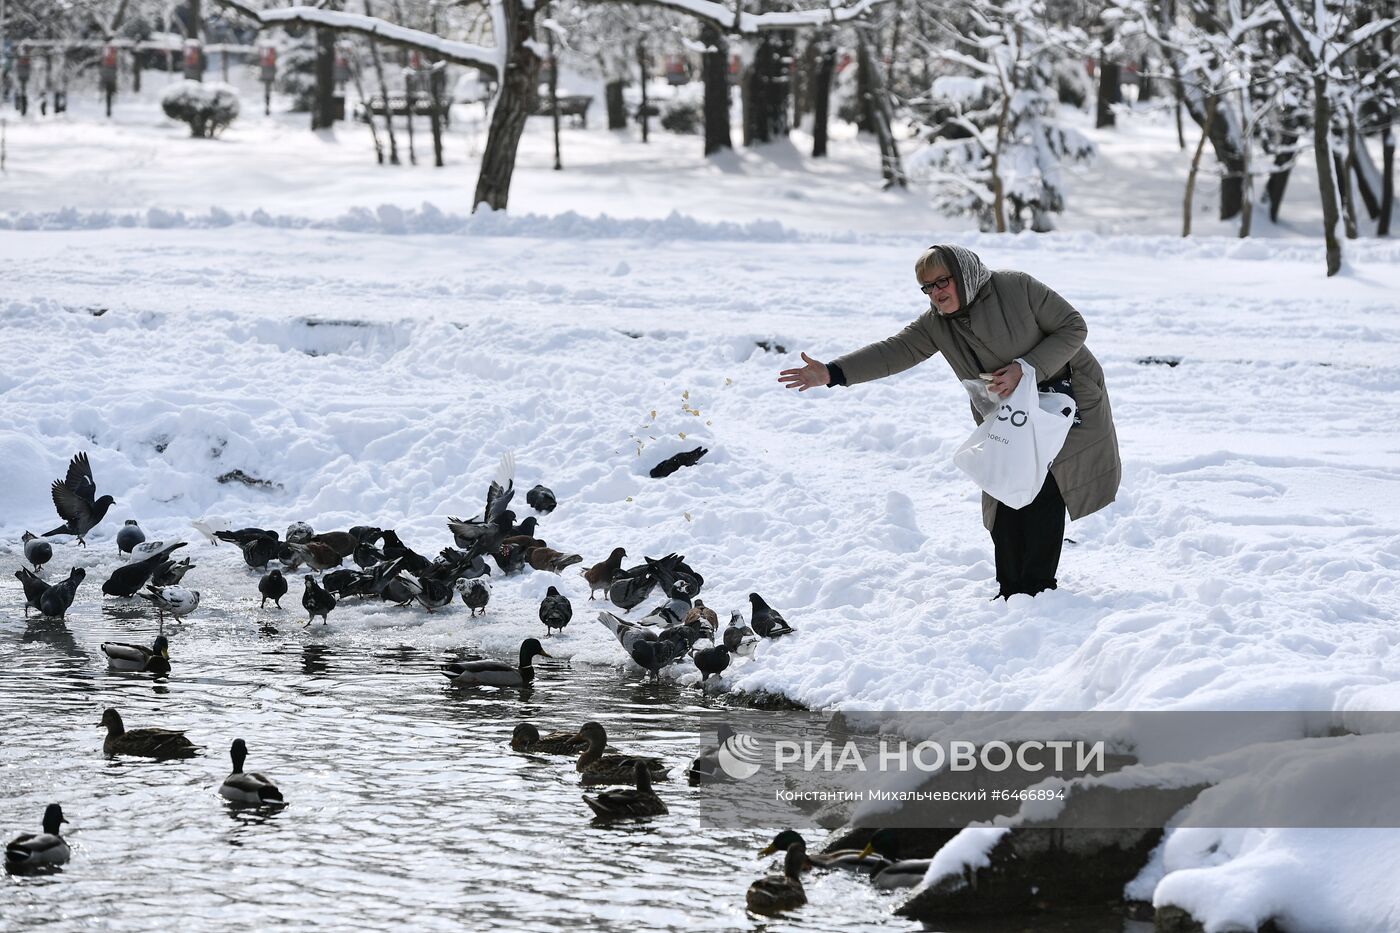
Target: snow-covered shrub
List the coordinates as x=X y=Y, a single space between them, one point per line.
x=683 y=117
x=207 y=107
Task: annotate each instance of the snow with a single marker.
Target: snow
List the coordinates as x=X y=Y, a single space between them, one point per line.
x=272 y=302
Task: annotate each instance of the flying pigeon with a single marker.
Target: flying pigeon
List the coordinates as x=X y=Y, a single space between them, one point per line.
x=73 y=498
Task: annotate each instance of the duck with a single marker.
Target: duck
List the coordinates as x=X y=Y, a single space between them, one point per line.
x=596 y=767
x=247 y=786
x=905 y=873
x=146 y=743
x=494 y=673
x=626 y=802
x=865 y=861
x=774 y=894
x=705 y=768
x=124 y=657
x=39 y=850
x=527 y=738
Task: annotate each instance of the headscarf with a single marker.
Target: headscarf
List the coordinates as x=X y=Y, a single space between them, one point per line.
x=967 y=270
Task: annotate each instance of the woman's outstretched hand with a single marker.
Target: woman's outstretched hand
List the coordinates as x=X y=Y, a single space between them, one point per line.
x=808 y=377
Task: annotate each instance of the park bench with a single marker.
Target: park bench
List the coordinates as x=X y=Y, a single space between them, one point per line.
x=423 y=106
x=574 y=106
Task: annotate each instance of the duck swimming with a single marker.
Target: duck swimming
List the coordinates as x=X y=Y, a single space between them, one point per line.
x=247 y=786
x=147 y=743
x=125 y=657
x=494 y=673
x=626 y=802
x=39 y=850
x=595 y=767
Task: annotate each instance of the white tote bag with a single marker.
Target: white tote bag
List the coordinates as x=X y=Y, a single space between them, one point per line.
x=1012 y=449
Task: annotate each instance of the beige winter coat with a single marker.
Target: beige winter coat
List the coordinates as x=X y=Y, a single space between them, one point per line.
x=1014 y=316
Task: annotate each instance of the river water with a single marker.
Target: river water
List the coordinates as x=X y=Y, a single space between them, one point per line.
x=406 y=804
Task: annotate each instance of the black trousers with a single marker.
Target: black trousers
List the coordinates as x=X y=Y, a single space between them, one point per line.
x=1028 y=542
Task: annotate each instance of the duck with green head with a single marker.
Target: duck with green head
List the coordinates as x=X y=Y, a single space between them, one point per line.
x=867 y=861
x=124 y=657
x=32 y=851
x=492 y=673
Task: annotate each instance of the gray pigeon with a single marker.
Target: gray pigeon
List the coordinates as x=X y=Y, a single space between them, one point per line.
x=555 y=611
x=541 y=499
x=57 y=598
x=73 y=498
x=36 y=550
x=34 y=590
x=643 y=645
x=129 y=535
x=171 y=572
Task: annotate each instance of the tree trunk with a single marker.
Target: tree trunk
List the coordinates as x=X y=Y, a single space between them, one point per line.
x=1326 y=184
x=1146 y=85
x=821 y=90
x=384 y=93
x=323 y=108
x=1195 y=167
x=409 y=89
x=436 y=77
x=1278 y=178
x=1341 y=168
x=644 y=114
x=1110 y=92
x=890 y=165
x=354 y=64
x=513 y=101
x=554 y=97
x=1387 y=179
x=769 y=87
x=865 y=114
x=136 y=72
x=714 y=68
x=617 y=107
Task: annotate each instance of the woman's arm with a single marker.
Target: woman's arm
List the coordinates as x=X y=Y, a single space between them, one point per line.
x=910 y=346
x=1063 y=327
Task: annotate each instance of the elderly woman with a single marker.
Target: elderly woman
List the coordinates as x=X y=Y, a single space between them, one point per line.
x=982 y=321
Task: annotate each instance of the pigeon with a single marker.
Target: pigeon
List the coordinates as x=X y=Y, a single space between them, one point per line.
x=434 y=594
x=765 y=620
x=541 y=499
x=476 y=593
x=486 y=531
x=170 y=572
x=125 y=657
x=210 y=528
x=453 y=564
x=739 y=638
x=73 y=498
x=643 y=645
x=342 y=542
x=56 y=599
x=677 y=578
x=600 y=575
x=672 y=464
x=37 y=551
x=366 y=555
x=128 y=536
x=711 y=661
x=526 y=527
x=315 y=554
x=704 y=615
x=34 y=589
x=39 y=850
x=400 y=591
x=509 y=559
x=347 y=582
x=555 y=611
x=179 y=601
x=126 y=580
x=394 y=549
x=316 y=601
x=145 y=549
x=629 y=588
x=547 y=558
x=259 y=545
x=299 y=532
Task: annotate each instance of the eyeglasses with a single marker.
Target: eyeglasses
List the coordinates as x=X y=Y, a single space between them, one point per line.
x=937 y=284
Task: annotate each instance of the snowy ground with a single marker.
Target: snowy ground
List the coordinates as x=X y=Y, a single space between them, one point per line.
x=1252 y=560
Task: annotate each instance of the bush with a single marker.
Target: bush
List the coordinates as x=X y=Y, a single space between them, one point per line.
x=683 y=118
x=206 y=107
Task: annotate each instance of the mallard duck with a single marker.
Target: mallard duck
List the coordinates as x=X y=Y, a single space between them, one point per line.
x=39 y=850
x=595 y=767
x=247 y=786
x=148 y=743
x=124 y=657
x=906 y=873
x=774 y=894
x=866 y=861
x=526 y=738
x=497 y=673
x=628 y=801
x=706 y=769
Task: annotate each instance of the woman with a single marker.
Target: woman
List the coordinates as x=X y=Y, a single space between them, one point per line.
x=982 y=321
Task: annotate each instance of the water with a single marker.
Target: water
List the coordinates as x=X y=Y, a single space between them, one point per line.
x=405 y=802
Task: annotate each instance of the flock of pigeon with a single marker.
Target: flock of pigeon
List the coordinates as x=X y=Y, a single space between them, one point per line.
x=680 y=628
